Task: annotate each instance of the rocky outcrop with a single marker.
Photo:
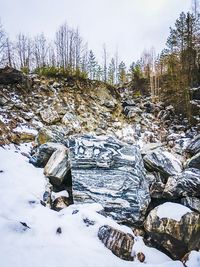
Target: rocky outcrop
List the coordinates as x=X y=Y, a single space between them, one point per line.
x=117 y=241
x=191 y=202
x=9 y=75
x=57 y=166
x=174 y=228
x=110 y=172
x=162 y=162
x=184 y=184
x=49 y=116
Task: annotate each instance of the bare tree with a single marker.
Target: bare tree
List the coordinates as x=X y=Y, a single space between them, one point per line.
x=2 y=44
x=40 y=49
x=24 y=51
x=105 y=63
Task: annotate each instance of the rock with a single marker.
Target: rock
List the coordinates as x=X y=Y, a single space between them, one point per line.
x=195 y=93
x=57 y=166
x=194 y=162
x=60 y=203
x=194 y=146
x=43 y=154
x=174 y=228
x=163 y=162
x=10 y=75
x=117 y=241
x=49 y=116
x=53 y=133
x=191 y=202
x=109 y=103
x=111 y=173
x=71 y=121
x=184 y=184
x=3 y=100
x=140 y=256
x=156 y=189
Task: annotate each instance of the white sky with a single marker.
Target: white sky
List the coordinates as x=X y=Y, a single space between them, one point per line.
x=129 y=25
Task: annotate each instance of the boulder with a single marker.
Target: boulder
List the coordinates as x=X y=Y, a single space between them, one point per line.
x=191 y=202
x=163 y=162
x=191 y=259
x=49 y=116
x=175 y=228
x=194 y=162
x=194 y=146
x=43 y=154
x=111 y=173
x=71 y=120
x=57 y=166
x=184 y=184
x=53 y=133
x=118 y=242
x=10 y=75
x=60 y=203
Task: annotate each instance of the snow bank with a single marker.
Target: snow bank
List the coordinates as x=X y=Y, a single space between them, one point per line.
x=28 y=230
x=172 y=211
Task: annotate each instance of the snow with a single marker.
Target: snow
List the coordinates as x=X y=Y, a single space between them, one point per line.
x=21 y=189
x=194 y=259
x=25 y=129
x=172 y=211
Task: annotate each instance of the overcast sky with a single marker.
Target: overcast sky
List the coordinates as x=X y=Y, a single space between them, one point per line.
x=129 y=25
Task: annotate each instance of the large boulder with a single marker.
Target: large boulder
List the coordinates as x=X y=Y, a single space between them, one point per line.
x=10 y=75
x=57 y=166
x=118 y=242
x=163 y=162
x=194 y=146
x=110 y=172
x=49 y=116
x=184 y=184
x=174 y=228
x=191 y=202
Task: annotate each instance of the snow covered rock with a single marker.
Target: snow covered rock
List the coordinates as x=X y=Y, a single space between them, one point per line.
x=43 y=154
x=194 y=162
x=49 y=116
x=111 y=173
x=118 y=242
x=163 y=162
x=174 y=228
x=57 y=166
x=184 y=184
x=194 y=146
x=192 y=259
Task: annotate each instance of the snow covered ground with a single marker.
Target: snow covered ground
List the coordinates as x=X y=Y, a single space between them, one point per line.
x=39 y=244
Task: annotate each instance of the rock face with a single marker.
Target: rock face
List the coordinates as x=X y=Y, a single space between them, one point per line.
x=163 y=162
x=57 y=166
x=194 y=162
x=9 y=75
x=117 y=241
x=194 y=146
x=176 y=235
x=110 y=172
x=184 y=184
x=191 y=202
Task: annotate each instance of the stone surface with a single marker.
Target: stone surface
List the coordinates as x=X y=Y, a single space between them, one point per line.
x=110 y=172
x=43 y=153
x=184 y=184
x=194 y=162
x=177 y=237
x=191 y=202
x=117 y=241
x=60 y=203
x=57 y=166
x=53 y=133
x=49 y=116
x=163 y=162
x=194 y=146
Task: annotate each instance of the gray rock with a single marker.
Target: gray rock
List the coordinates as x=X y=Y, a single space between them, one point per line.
x=10 y=75
x=177 y=236
x=163 y=162
x=43 y=154
x=117 y=241
x=191 y=202
x=194 y=162
x=184 y=184
x=49 y=116
x=194 y=146
x=111 y=173
x=60 y=203
x=57 y=166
